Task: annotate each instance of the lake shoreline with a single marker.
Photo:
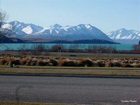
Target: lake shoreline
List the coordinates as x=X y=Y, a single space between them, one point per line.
x=16 y=46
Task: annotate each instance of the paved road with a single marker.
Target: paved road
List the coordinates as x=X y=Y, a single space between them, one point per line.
x=70 y=90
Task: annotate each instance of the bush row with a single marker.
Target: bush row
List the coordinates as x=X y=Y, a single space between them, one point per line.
x=71 y=62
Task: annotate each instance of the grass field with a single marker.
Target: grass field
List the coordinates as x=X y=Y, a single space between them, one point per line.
x=72 y=71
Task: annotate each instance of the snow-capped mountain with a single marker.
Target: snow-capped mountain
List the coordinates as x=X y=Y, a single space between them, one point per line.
x=21 y=29
x=125 y=36
x=56 y=32
x=79 y=32
x=4 y=39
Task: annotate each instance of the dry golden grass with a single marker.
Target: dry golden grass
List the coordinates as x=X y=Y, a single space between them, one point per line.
x=82 y=71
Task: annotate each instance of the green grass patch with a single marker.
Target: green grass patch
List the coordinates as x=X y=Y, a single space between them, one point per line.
x=82 y=71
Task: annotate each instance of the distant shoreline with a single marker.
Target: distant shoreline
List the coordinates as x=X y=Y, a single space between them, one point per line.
x=68 y=42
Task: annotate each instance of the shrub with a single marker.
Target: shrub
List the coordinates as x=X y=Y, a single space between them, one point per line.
x=108 y=64
x=43 y=63
x=54 y=62
x=40 y=63
x=127 y=65
x=28 y=62
x=3 y=62
x=34 y=62
x=23 y=61
x=136 y=65
x=101 y=64
x=68 y=62
x=16 y=62
x=115 y=64
x=12 y=61
x=86 y=62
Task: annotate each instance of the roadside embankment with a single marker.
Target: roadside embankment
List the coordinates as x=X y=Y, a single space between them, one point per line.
x=71 y=71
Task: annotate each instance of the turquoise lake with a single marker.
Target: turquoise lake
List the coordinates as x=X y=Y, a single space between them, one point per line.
x=18 y=46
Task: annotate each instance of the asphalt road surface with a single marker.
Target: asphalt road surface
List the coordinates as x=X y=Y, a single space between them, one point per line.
x=104 y=91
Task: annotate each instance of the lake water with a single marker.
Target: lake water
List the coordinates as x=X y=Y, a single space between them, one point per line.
x=17 y=46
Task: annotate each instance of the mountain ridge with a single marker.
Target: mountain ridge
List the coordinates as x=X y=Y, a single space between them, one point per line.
x=56 y=32
x=68 y=33
x=125 y=36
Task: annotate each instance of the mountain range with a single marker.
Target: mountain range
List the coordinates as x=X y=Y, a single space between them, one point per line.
x=125 y=36
x=56 y=33
x=4 y=39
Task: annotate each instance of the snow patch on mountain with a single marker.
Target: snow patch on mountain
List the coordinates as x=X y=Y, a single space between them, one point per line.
x=7 y=26
x=66 y=27
x=27 y=30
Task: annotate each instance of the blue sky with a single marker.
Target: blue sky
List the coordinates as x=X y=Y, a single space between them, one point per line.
x=107 y=15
